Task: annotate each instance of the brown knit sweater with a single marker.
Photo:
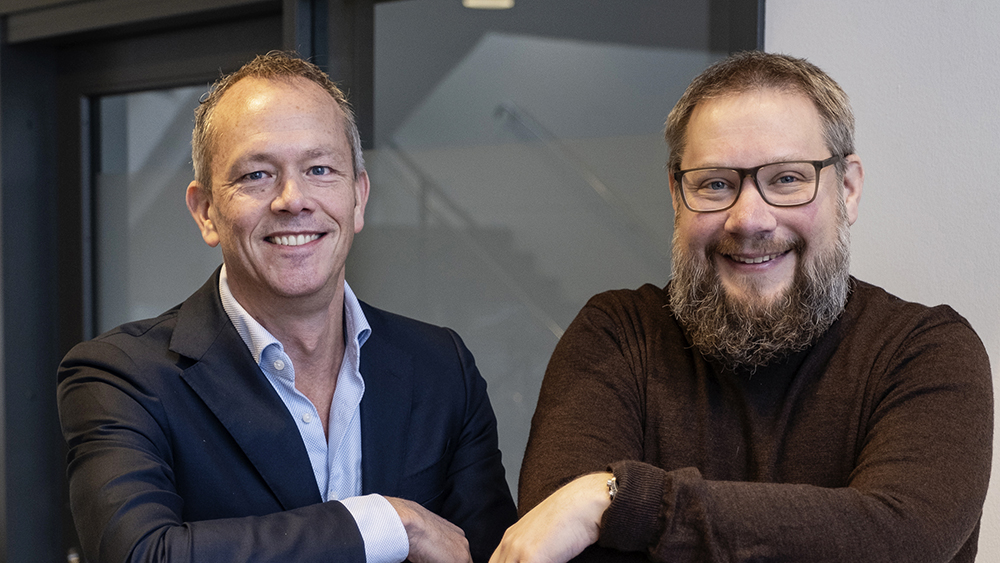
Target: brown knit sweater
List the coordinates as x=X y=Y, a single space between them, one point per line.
x=873 y=445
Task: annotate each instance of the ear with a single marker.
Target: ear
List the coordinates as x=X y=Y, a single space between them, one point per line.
x=199 y=203
x=675 y=198
x=854 y=180
x=362 y=186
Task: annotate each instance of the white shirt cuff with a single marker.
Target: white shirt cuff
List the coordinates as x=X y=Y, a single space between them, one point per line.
x=381 y=529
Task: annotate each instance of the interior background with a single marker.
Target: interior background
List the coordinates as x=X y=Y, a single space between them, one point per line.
x=922 y=77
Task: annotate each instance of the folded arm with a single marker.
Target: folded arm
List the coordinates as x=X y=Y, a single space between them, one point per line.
x=915 y=492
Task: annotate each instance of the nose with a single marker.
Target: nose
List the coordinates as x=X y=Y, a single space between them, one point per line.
x=292 y=197
x=750 y=215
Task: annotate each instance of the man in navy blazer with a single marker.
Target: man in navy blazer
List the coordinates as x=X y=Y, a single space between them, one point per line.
x=272 y=416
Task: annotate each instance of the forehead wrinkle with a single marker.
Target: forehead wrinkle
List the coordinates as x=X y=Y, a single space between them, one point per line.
x=273 y=157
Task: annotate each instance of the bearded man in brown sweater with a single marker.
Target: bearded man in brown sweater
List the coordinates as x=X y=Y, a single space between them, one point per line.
x=764 y=405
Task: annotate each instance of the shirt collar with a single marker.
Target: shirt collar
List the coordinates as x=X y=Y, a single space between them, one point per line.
x=257 y=338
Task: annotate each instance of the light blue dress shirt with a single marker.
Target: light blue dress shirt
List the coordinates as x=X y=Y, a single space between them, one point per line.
x=336 y=457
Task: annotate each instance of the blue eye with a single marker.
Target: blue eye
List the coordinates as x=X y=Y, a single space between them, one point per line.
x=253 y=176
x=320 y=170
x=786 y=179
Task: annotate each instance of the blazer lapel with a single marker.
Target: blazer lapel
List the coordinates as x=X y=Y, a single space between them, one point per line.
x=231 y=384
x=385 y=410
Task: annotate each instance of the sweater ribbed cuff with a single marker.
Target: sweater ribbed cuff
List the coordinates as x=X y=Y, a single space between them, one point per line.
x=630 y=523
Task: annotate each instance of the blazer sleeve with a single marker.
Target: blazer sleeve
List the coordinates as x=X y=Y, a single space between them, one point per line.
x=478 y=498
x=122 y=456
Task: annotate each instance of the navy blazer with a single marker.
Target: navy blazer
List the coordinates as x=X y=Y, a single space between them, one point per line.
x=180 y=450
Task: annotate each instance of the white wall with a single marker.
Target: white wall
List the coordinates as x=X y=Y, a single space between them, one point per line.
x=924 y=79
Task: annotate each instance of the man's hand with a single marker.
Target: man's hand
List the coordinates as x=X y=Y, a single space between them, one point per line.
x=561 y=526
x=432 y=538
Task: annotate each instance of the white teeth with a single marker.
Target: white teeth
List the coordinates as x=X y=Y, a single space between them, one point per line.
x=758 y=260
x=293 y=240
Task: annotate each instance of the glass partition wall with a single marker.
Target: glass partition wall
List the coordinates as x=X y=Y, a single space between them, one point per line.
x=519 y=168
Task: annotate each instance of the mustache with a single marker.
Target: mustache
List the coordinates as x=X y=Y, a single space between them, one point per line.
x=730 y=245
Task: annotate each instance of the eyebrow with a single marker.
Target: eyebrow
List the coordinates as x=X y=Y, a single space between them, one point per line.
x=319 y=152
x=783 y=158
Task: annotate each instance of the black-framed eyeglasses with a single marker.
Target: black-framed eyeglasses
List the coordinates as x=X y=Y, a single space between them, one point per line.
x=781 y=184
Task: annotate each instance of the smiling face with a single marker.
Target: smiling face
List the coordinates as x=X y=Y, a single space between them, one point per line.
x=754 y=283
x=753 y=247
x=284 y=204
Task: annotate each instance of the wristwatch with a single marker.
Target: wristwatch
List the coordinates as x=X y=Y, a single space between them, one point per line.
x=612 y=487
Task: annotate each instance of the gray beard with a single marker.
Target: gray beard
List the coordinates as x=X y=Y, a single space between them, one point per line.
x=750 y=335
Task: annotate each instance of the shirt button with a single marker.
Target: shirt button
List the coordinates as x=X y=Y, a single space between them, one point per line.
x=279 y=365
x=307 y=417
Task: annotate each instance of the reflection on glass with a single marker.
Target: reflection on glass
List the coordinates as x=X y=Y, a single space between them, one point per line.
x=518 y=170
x=148 y=252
